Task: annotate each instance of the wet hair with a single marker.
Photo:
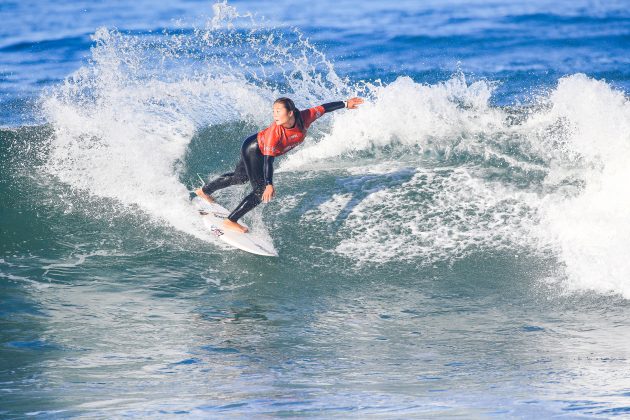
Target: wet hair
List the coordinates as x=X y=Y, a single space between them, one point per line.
x=290 y=106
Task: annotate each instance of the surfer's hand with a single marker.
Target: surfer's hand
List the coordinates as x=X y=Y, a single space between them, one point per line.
x=268 y=194
x=353 y=103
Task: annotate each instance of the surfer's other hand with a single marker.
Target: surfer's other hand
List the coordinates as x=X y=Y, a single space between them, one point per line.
x=268 y=194
x=353 y=103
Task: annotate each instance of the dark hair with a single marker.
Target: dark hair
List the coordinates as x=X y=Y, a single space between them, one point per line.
x=290 y=106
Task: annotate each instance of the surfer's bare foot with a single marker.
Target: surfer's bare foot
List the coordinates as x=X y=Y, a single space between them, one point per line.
x=203 y=195
x=227 y=223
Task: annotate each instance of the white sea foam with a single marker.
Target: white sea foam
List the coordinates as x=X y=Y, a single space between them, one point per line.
x=591 y=227
x=407 y=113
x=436 y=215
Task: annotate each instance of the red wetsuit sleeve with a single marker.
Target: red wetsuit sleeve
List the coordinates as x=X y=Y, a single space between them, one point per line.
x=311 y=114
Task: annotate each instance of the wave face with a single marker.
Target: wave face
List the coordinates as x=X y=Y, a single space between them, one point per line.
x=465 y=229
x=429 y=172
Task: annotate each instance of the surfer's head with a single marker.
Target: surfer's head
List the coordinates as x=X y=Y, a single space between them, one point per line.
x=284 y=111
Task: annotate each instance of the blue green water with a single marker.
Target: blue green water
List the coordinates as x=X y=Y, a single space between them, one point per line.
x=457 y=247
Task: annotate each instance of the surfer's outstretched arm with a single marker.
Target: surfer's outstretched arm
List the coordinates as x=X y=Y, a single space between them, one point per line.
x=311 y=114
x=351 y=103
x=333 y=106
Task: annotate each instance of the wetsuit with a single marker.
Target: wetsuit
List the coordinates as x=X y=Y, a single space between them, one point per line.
x=257 y=155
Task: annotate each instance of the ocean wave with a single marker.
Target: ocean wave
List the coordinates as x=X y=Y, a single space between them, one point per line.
x=464 y=174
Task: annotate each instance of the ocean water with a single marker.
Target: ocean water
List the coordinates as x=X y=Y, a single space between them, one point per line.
x=457 y=247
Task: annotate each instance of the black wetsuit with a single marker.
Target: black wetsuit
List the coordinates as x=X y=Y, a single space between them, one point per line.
x=255 y=167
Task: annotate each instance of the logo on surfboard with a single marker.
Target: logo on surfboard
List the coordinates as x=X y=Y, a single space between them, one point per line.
x=214 y=229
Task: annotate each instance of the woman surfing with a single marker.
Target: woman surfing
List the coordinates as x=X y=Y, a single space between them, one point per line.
x=259 y=150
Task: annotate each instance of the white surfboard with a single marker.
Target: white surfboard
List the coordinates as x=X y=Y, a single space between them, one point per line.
x=213 y=215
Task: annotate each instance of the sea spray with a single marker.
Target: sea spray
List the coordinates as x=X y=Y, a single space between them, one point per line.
x=123 y=122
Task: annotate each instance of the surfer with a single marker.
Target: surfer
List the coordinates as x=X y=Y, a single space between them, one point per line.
x=259 y=150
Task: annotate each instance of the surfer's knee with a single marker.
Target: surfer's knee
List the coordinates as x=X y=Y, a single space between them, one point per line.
x=258 y=188
x=258 y=194
x=248 y=203
x=257 y=197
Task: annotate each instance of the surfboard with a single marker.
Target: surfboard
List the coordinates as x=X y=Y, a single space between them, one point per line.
x=213 y=215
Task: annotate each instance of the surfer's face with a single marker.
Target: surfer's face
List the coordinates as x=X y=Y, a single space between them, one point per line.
x=280 y=114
